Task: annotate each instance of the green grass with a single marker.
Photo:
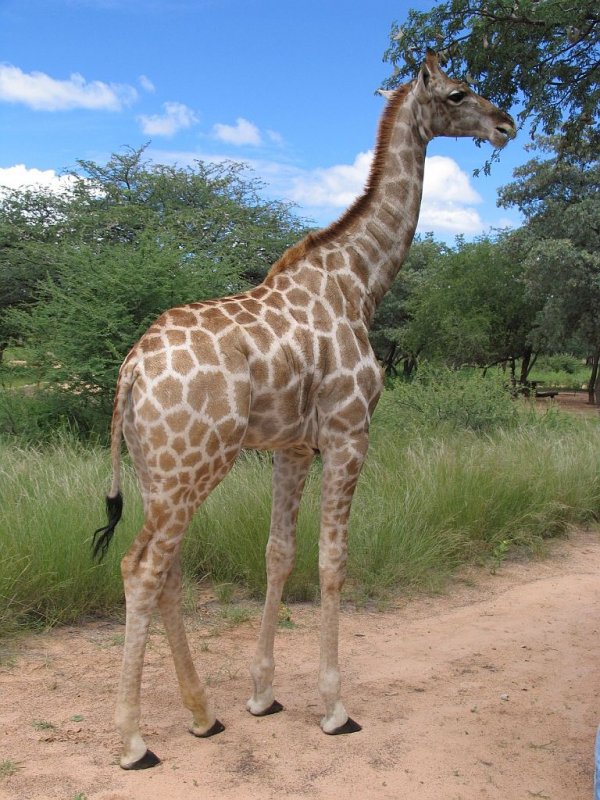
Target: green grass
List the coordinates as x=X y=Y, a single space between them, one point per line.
x=464 y=498
x=9 y=768
x=15 y=369
x=431 y=497
x=561 y=371
x=51 y=499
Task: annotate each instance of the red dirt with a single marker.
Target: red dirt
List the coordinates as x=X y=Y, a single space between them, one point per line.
x=492 y=691
x=576 y=402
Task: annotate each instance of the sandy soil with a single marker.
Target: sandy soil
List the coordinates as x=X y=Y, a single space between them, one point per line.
x=573 y=402
x=492 y=691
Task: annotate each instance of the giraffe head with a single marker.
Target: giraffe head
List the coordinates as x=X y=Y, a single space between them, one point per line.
x=450 y=108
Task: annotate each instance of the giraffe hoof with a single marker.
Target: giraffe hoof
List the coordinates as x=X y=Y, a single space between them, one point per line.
x=218 y=727
x=274 y=708
x=149 y=759
x=350 y=726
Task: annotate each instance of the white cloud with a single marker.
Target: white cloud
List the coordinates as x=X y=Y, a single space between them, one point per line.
x=335 y=186
x=20 y=176
x=43 y=93
x=449 y=204
x=448 y=197
x=146 y=84
x=276 y=138
x=243 y=132
x=444 y=179
x=449 y=217
x=177 y=116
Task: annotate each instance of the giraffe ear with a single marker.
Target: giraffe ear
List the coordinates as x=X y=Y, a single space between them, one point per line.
x=387 y=93
x=429 y=68
x=431 y=65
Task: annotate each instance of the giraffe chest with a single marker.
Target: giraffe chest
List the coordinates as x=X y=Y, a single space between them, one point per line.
x=310 y=381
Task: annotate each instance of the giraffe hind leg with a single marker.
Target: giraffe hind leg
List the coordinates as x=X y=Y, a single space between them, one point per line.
x=151 y=576
x=194 y=697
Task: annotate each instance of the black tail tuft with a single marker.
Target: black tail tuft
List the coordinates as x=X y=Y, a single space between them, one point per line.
x=102 y=537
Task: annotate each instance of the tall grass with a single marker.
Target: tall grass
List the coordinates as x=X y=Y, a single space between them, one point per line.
x=561 y=371
x=228 y=536
x=50 y=502
x=443 y=501
x=431 y=496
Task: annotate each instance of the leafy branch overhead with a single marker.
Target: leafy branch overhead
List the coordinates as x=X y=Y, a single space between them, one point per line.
x=540 y=56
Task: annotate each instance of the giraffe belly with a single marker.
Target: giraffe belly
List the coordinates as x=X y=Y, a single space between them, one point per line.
x=278 y=426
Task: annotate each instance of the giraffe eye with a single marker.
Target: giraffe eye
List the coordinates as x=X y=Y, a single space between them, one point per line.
x=456 y=96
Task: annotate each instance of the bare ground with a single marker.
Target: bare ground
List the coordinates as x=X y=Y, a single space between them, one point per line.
x=573 y=402
x=492 y=691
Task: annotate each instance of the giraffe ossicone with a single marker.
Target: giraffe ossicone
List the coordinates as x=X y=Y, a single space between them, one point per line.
x=288 y=367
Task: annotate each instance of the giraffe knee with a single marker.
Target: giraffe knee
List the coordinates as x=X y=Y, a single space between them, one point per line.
x=146 y=567
x=332 y=580
x=332 y=569
x=280 y=558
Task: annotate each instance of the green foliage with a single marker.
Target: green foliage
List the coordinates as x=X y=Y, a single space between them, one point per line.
x=461 y=305
x=440 y=398
x=30 y=221
x=559 y=247
x=559 y=362
x=541 y=55
x=560 y=371
x=91 y=269
x=389 y=333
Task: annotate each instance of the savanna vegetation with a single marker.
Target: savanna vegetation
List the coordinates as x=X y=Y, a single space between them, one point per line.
x=457 y=473
x=462 y=467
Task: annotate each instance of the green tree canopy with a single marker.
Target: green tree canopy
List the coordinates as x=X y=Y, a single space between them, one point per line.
x=83 y=274
x=543 y=55
x=469 y=306
x=392 y=319
x=559 y=245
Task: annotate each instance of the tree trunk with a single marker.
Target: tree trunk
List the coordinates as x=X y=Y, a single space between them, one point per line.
x=525 y=365
x=388 y=362
x=409 y=366
x=594 y=384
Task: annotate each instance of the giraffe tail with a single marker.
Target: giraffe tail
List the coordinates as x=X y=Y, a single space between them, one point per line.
x=114 y=500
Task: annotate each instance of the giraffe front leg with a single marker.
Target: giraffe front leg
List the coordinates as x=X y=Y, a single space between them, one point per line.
x=290 y=468
x=341 y=467
x=193 y=694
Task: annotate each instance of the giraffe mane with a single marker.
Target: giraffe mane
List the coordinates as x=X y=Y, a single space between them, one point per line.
x=317 y=238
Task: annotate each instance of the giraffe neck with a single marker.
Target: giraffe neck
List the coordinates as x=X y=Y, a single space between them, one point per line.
x=366 y=247
x=375 y=246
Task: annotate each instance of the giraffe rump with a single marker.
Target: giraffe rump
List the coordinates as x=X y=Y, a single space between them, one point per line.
x=103 y=536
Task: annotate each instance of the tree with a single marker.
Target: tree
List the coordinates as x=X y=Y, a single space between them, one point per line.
x=543 y=55
x=129 y=241
x=469 y=307
x=392 y=319
x=559 y=245
x=30 y=220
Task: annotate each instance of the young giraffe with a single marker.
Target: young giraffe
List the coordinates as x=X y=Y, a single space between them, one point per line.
x=288 y=367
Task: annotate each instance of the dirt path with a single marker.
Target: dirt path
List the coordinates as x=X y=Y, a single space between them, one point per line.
x=490 y=692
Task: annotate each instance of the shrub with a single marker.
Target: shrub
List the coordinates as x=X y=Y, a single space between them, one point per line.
x=453 y=399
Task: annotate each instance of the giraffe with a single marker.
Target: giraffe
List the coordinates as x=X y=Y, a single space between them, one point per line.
x=286 y=366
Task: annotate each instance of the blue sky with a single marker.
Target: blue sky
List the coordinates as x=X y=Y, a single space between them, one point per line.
x=286 y=86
